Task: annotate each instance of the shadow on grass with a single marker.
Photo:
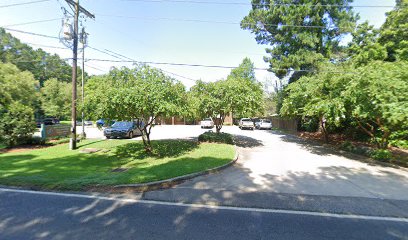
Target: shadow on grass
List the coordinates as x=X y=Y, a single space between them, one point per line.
x=89 y=143
x=161 y=149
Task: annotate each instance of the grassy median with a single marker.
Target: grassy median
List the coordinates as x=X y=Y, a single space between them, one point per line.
x=115 y=162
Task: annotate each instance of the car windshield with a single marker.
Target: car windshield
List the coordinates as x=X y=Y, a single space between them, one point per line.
x=266 y=121
x=207 y=119
x=246 y=120
x=122 y=125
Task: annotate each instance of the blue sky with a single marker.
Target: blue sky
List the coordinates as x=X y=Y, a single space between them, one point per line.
x=159 y=32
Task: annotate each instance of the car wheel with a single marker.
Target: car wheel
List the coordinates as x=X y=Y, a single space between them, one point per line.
x=107 y=137
x=130 y=135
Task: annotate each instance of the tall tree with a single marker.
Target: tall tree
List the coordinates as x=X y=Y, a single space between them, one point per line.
x=18 y=94
x=364 y=46
x=300 y=33
x=243 y=92
x=394 y=32
x=41 y=64
x=56 y=98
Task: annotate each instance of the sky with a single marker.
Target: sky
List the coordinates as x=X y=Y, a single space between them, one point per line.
x=158 y=31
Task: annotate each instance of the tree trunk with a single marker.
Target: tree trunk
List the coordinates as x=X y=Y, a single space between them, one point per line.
x=323 y=129
x=146 y=140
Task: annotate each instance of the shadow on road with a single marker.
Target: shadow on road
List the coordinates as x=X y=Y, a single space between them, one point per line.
x=246 y=142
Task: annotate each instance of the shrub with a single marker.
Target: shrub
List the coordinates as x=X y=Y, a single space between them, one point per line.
x=35 y=140
x=16 y=124
x=399 y=143
x=347 y=146
x=216 y=137
x=381 y=154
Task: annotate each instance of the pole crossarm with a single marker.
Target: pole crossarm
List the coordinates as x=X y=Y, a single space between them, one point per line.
x=81 y=9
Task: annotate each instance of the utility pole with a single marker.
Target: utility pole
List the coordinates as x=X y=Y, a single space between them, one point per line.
x=83 y=41
x=78 y=9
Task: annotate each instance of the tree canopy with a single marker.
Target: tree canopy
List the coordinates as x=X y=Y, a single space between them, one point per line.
x=18 y=96
x=300 y=35
x=142 y=93
x=240 y=95
x=56 y=98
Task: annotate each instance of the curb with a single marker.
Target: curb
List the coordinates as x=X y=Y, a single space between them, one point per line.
x=167 y=183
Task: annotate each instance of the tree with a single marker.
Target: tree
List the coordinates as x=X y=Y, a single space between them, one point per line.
x=210 y=101
x=245 y=70
x=18 y=95
x=243 y=91
x=364 y=46
x=318 y=97
x=378 y=99
x=394 y=34
x=240 y=94
x=41 y=64
x=56 y=98
x=143 y=93
x=275 y=22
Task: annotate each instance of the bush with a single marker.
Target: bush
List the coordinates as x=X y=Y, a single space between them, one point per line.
x=361 y=150
x=34 y=140
x=16 y=124
x=399 y=143
x=216 y=137
x=309 y=124
x=347 y=146
x=381 y=154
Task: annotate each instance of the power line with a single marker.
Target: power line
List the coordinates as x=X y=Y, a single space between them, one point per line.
x=121 y=57
x=223 y=22
x=46 y=46
x=89 y=66
x=26 y=23
x=24 y=3
x=30 y=33
x=262 y=5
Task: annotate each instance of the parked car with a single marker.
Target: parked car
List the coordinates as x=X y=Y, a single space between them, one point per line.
x=246 y=123
x=264 y=124
x=207 y=123
x=123 y=129
x=86 y=123
x=45 y=121
x=104 y=123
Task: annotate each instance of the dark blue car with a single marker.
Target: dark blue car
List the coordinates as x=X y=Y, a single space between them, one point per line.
x=123 y=129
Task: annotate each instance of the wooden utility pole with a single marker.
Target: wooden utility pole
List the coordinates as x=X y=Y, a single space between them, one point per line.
x=78 y=10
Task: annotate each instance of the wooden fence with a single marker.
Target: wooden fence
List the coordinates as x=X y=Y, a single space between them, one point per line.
x=284 y=124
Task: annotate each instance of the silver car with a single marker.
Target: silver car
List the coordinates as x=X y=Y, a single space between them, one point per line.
x=246 y=123
x=264 y=124
x=207 y=123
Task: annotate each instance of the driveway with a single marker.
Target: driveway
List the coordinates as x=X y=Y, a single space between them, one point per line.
x=282 y=171
x=277 y=170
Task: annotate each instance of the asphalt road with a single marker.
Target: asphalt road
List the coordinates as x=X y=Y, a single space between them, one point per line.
x=28 y=215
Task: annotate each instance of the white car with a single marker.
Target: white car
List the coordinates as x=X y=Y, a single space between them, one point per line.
x=264 y=124
x=246 y=123
x=207 y=123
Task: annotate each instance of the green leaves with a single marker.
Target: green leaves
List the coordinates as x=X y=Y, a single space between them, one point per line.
x=56 y=98
x=18 y=95
x=273 y=23
x=373 y=96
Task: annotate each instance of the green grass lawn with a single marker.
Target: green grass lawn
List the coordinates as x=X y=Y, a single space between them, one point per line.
x=59 y=168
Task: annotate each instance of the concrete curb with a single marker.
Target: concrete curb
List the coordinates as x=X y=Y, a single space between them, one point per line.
x=162 y=184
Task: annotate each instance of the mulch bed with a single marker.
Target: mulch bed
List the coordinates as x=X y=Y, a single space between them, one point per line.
x=23 y=148
x=400 y=155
